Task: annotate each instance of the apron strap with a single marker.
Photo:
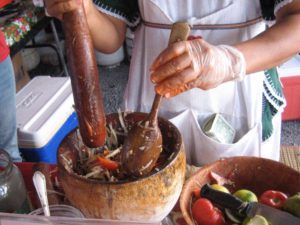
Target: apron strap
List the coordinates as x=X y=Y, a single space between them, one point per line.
x=208 y=26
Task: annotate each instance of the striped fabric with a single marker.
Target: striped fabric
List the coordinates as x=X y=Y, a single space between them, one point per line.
x=270 y=8
x=273 y=101
x=128 y=10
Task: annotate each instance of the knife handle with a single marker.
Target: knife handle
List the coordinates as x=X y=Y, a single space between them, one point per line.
x=224 y=199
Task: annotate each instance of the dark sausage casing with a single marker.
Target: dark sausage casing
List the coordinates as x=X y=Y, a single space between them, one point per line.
x=84 y=78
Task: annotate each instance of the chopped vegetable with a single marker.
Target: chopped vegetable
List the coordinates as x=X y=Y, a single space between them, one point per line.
x=273 y=198
x=113 y=153
x=206 y=214
x=122 y=122
x=107 y=163
x=103 y=163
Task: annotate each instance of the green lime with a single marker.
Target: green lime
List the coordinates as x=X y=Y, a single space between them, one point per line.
x=256 y=220
x=245 y=195
x=292 y=205
x=246 y=221
x=219 y=188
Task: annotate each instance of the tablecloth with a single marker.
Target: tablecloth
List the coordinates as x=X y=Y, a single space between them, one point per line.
x=18 y=26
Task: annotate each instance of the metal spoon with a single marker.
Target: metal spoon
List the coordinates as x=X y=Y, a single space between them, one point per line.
x=143 y=144
x=39 y=182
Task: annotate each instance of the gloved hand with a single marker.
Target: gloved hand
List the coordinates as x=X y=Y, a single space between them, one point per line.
x=57 y=8
x=195 y=63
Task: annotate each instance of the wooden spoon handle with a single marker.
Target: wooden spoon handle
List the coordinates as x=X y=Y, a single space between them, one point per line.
x=179 y=32
x=84 y=78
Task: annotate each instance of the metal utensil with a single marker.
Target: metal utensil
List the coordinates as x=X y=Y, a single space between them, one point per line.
x=39 y=182
x=250 y=209
x=143 y=143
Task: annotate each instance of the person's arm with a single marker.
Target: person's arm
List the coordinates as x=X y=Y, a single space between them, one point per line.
x=198 y=64
x=108 y=33
x=277 y=43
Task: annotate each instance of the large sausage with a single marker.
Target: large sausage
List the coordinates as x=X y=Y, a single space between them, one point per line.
x=84 y=78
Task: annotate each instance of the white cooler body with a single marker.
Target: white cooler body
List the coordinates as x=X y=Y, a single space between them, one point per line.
x=45 y=115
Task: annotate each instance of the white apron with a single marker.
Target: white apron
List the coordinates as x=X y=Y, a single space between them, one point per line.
x=239 y=102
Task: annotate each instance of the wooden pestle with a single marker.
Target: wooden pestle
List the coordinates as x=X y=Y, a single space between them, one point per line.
x=143 y=144
x=84 y=78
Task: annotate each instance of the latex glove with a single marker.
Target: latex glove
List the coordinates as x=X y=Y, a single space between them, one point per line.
x=57 y=8
x=195 y=63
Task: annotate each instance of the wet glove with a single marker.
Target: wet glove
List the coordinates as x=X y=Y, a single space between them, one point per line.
x=195 y=63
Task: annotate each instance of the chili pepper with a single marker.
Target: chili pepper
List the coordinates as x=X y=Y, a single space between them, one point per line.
x=205 y=213
x=106 y=152
x=196 y=193
x=273 y=198
x=107 y=163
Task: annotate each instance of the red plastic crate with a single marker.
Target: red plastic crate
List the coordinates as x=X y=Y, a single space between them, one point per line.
x=4 y=3
x=27 y=170
x=291 y=90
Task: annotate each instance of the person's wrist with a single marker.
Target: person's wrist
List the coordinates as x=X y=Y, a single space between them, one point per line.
x=238 y=62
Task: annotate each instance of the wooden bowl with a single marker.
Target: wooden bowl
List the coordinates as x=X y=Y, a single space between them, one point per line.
x=255 y=174
x=148 y=199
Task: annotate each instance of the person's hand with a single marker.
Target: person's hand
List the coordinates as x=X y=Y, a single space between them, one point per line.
x=195 y=63
x=57 y=8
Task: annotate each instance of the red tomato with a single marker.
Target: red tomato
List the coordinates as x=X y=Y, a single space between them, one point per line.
x=273 y=198
x=107 y=163
x=206 y=214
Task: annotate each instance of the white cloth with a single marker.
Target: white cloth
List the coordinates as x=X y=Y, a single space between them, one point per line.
x=239 y=102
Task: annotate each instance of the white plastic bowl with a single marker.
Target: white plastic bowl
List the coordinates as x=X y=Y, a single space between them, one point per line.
x=110 y=59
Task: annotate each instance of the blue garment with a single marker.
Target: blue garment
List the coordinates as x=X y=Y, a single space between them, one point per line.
x=8 y=130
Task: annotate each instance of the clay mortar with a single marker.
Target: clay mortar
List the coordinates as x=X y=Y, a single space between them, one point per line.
x=147 y=199
x=245 y=172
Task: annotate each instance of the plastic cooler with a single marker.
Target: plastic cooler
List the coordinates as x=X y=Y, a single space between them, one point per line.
x=45 y=115
x=289 y=73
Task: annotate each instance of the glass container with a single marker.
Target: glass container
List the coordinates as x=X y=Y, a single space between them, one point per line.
x=13 y=195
